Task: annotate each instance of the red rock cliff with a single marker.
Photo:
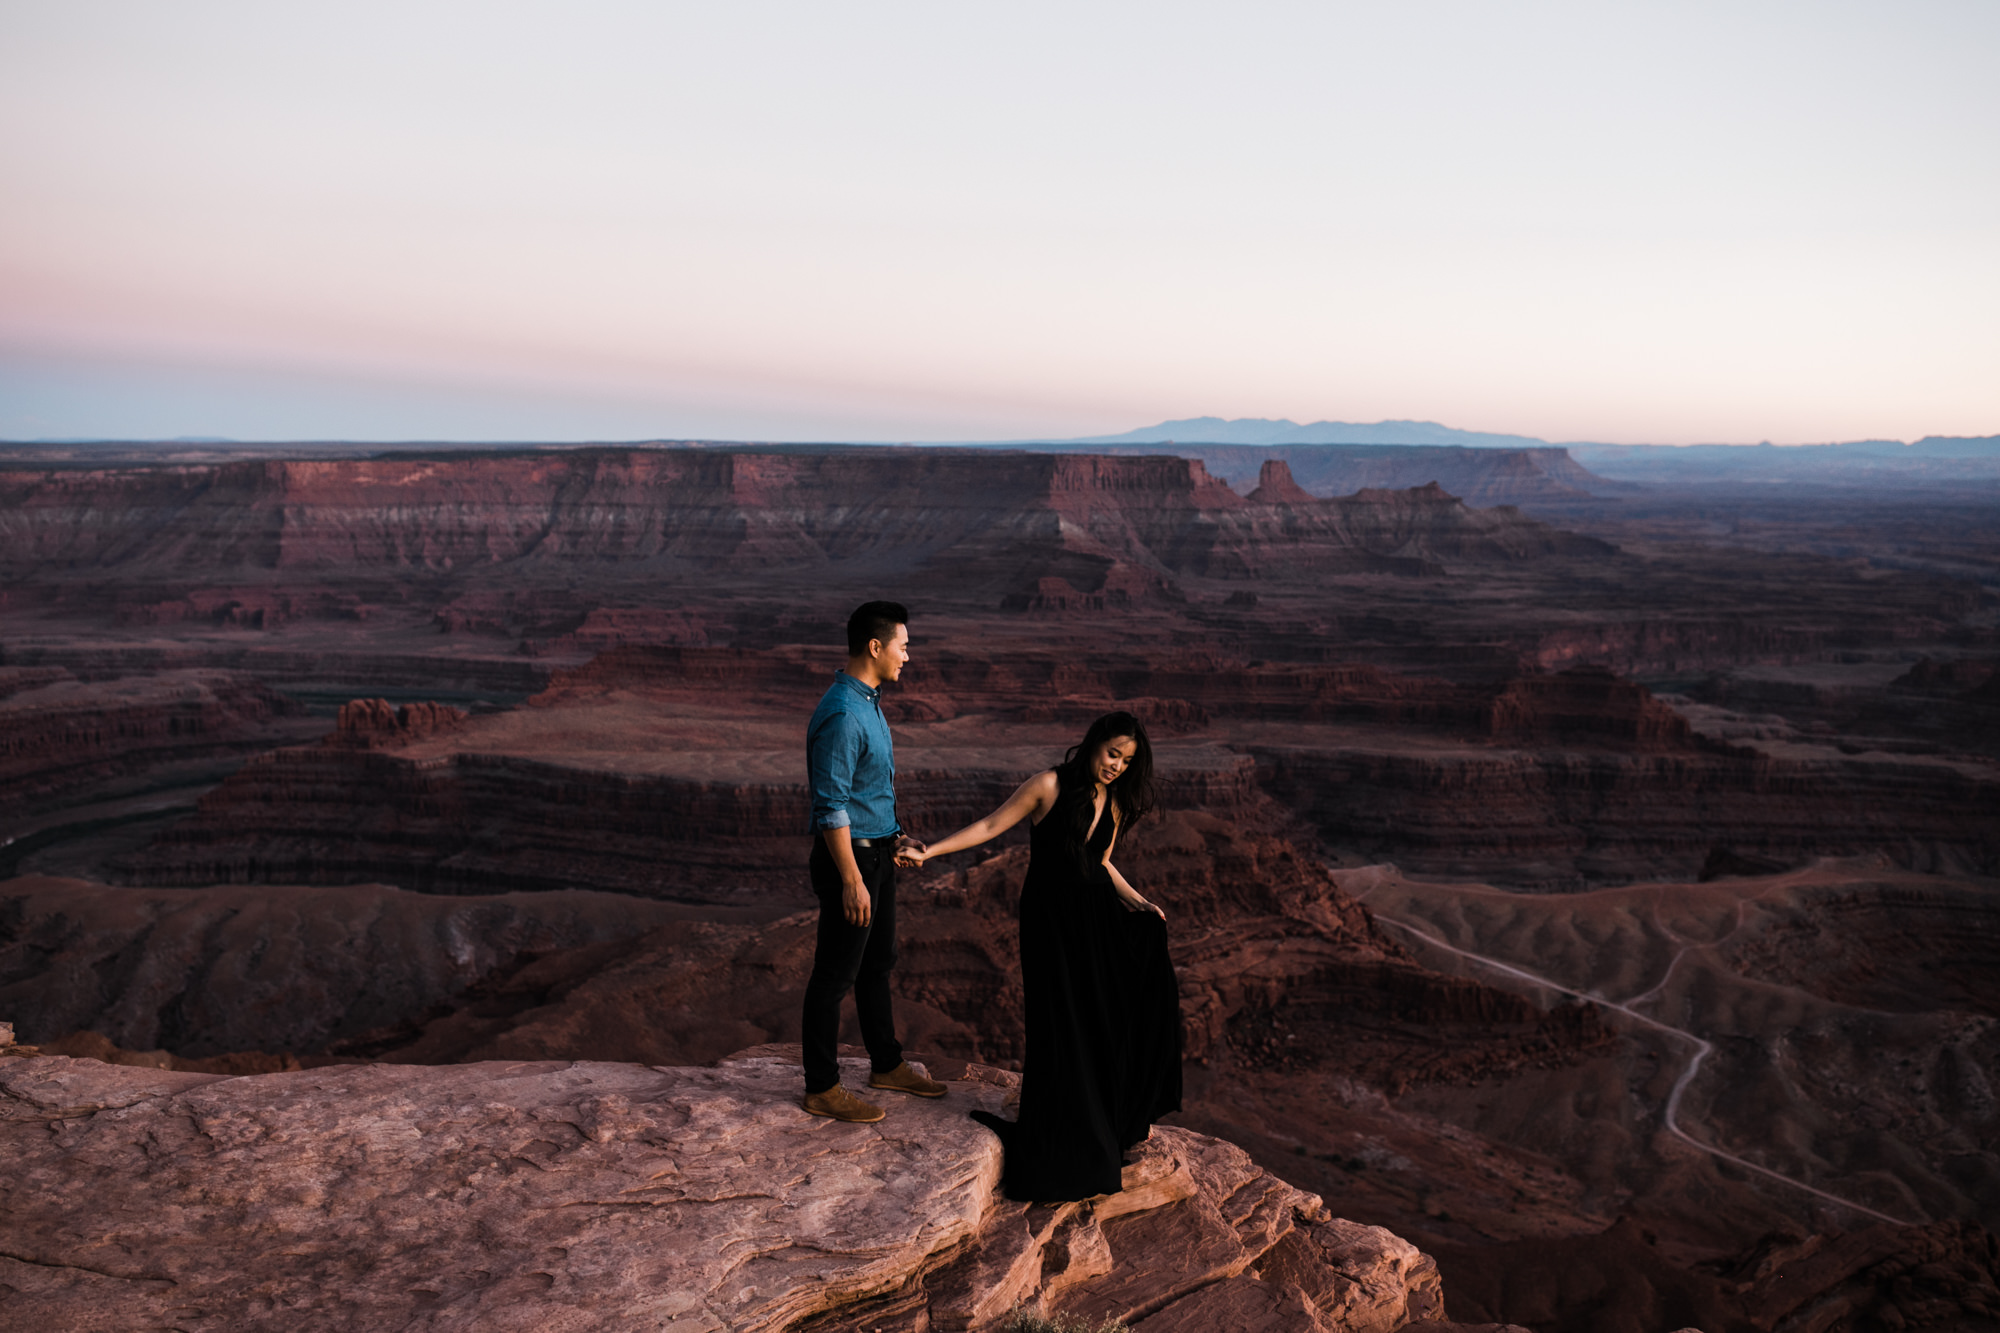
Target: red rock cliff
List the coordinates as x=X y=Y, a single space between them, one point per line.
x=998 y=514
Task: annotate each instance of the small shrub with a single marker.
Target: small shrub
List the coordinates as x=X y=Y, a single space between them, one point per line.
x=1026 y=1321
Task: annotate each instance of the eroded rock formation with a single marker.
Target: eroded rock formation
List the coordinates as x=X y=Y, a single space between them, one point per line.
x=59 y=733
x=370 y=972
x=673 y=772
x=1562 y=818
x=983 y=515
x=368 y=724
x=590 y=1195
x=1482 y=476
x=227 y=970
x=596 y=789
x=1383 y=677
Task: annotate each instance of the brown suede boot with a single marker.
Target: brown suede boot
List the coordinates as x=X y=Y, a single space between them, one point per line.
x=838 y=1103
x=905 y=1079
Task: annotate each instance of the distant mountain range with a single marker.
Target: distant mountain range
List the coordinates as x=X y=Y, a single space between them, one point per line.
x=1334 y=457
x=1263 y=430
x=1266 y=430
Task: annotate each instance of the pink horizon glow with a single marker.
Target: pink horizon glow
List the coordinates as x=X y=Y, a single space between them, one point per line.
x=1663 y=224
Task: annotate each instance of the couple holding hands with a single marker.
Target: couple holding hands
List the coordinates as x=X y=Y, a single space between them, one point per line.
x=1102 y=1006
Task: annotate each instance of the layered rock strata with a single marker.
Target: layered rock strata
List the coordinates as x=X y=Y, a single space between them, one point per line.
x=1482 y=476
x=368 y=972
x=674 y=772
x=1467 y=1118
x=607 y=792
x=978 y=514
x=1830 y=1026
x=340 y=662
x=59 y=733
x=590 y=1195
x=1565 y=818
x=228 y=971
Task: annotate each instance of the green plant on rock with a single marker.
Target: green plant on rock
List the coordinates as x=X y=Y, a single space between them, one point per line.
x=1027 y=1321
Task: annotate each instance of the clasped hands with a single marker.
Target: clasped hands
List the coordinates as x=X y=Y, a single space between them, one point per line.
x=857 y=904
x=913 y=852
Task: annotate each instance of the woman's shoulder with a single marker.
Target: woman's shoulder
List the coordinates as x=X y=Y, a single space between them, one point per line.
x=1045 y=787
x=1043 y=790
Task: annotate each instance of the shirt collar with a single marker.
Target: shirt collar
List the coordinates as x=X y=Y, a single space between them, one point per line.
x=868 y=692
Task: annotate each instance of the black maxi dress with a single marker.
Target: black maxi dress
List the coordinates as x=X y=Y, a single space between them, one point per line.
x=1103 y=1018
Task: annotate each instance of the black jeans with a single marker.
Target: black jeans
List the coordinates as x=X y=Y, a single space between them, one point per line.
x=850 y=957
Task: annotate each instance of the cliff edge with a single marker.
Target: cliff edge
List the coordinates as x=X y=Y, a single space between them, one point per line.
x=557 y=1195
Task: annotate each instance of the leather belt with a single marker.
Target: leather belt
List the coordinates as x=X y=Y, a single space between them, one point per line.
x=868 y=842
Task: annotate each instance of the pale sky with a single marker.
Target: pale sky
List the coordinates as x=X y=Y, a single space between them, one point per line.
x=1625 y=222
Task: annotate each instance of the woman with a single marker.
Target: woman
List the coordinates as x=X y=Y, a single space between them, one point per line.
x=1103 y=1009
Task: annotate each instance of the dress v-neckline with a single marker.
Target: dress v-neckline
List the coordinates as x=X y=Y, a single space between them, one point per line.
x=1096 y=818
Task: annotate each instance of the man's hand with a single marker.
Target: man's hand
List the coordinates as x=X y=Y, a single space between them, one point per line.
x=910 y=852
x=854 y=901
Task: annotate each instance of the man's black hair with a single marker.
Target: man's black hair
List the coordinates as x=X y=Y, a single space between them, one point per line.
x=874 y=620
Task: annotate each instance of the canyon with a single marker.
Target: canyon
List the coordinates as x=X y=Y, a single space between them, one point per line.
x=1598 y=894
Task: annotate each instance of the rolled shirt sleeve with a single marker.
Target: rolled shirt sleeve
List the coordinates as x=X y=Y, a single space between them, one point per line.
x=832 y=751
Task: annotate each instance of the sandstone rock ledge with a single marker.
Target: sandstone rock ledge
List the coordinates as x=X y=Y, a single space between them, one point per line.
x=568 y=1196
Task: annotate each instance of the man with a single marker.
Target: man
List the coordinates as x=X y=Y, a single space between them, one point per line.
x=852 y=769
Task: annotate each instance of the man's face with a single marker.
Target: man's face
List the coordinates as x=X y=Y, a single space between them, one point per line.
x=889 y=657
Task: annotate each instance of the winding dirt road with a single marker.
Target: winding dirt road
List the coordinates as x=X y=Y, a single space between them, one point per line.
x=1700 y=1048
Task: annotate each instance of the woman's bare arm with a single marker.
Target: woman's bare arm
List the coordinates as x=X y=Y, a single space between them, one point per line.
x=1033 y=797
x=1133 y=899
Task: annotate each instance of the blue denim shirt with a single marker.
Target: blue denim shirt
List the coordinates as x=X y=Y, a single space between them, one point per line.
x=850 y=761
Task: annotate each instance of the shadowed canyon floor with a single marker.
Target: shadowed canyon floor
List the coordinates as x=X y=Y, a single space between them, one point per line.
x=1599 y=896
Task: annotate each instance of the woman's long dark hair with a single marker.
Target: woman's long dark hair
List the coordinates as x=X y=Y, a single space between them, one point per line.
x=1132 y=792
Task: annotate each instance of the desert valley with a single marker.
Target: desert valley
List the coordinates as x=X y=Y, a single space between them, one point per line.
x=1590 y=878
